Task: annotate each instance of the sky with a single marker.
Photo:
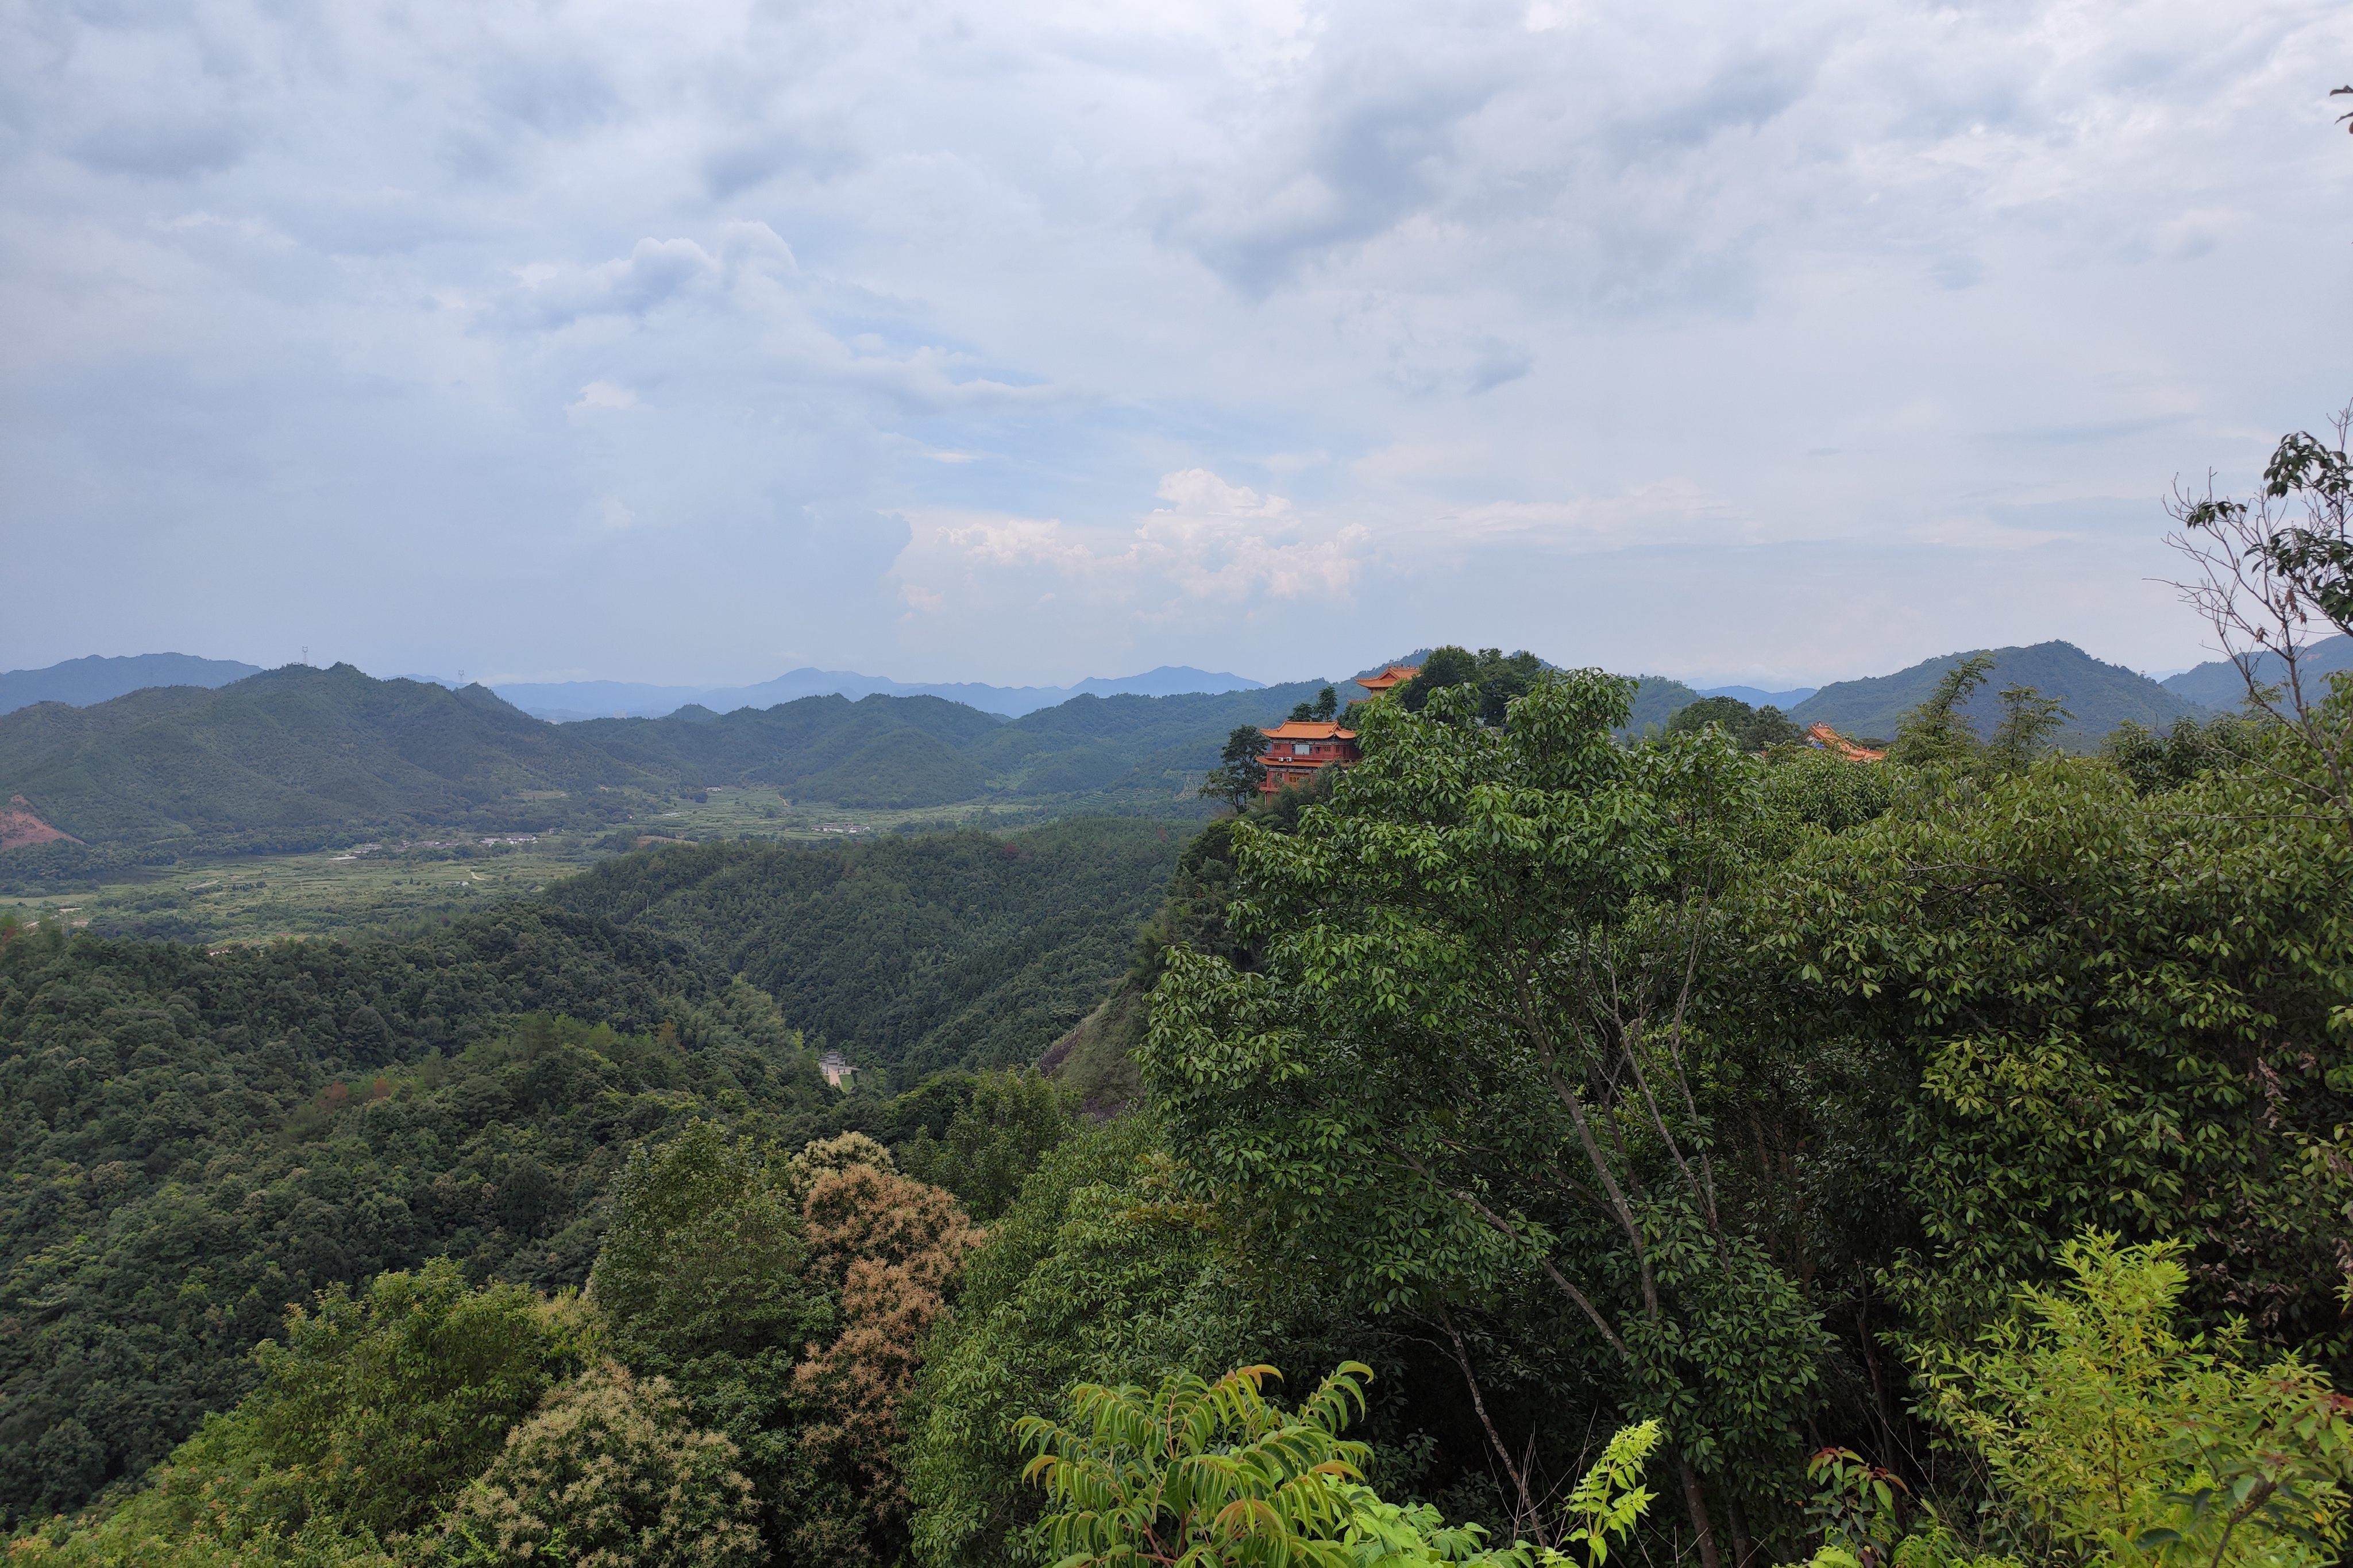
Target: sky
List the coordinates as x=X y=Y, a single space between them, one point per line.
x=1028 y=341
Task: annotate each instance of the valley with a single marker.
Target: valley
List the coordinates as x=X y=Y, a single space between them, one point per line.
x=217 y=899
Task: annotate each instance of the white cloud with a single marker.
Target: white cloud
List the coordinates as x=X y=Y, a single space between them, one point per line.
x=1215 y=543
x=1519 y=304
x=602 y=395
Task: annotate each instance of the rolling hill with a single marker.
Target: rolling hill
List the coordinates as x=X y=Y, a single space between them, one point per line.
x=295 y=752
x=2099 y=695
x=2219 y=685
x=292 y=757
x=82 y=682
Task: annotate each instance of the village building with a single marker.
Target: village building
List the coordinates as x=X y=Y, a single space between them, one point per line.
x=838 y=1073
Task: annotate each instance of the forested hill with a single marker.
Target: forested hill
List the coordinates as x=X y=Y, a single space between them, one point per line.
x=291 y=752
x=191 y=1141
x=956 y=950
x=288 y=757
x=2098 y=696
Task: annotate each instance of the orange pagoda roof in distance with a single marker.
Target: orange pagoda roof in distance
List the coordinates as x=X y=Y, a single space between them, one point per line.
x=1829 y=740
x=1395 y=675
x=1307 y=729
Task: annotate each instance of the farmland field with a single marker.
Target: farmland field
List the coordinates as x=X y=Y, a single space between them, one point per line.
x=256 y=898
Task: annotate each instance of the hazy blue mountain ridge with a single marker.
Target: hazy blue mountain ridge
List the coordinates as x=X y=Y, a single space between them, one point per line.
x=577 y=700
x=2218 y=684
x=2099 y=695
x=82 y=682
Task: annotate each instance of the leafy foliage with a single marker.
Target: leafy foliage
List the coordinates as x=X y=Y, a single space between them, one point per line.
x=1750 y=728
x=1241 y=773
x=1197 y=1473
x=368 y=1419
x=994 y=1140
x=2117 y=1438
x=1496 y=680
x=2099 y=1010
x=608 y=1474
x=1476 y=980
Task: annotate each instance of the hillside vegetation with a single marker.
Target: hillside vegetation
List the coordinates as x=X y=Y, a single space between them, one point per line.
x=193 y=1140
x=912 y=954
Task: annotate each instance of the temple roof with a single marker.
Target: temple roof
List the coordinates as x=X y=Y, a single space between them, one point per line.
x=1395 y=674
x=1307 y=729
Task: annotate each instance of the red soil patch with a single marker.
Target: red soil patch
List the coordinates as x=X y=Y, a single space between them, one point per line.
x=19 y=827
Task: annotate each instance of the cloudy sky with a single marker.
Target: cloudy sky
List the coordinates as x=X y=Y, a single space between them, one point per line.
x=1031 y=340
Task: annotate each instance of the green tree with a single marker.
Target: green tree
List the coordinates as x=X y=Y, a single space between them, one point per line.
x=1326 y=707
x=1469 y=1061
x=2081 y=1007
x=1497 y=679
x=994 y=1140
x=1099 y=1273
x=707 y=1282
x=1937 y=731
x=1240 y=774
x=1750 y=728
x=375 y=1411
x=2117 y=1439
x=610 y=1473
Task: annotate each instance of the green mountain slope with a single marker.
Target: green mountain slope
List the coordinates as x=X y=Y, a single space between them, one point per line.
x=1143 y=748
x=297 y=749
x=2218 y=684
x=912 y=953
x=2100 y=695
x=877 y=751
x=1657 y=699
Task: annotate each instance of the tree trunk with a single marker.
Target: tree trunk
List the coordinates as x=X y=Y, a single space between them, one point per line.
x=1696 y=1500
x=1737 y=1528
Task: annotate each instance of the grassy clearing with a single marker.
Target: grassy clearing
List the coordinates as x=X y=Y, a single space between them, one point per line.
x=256 y=898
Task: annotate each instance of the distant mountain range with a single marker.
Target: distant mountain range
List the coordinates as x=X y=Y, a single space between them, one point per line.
x=2098 y=696
x=82 y=682
x=295 y=756
x=2219 y=685
x=571 y=700
x=1757 y=697
x=292 y=757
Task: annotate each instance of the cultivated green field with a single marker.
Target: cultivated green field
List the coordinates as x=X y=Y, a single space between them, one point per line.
x=256 y=898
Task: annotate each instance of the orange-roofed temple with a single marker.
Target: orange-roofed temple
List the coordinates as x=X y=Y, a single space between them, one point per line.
x=1296 y=748
x=1395 y=675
